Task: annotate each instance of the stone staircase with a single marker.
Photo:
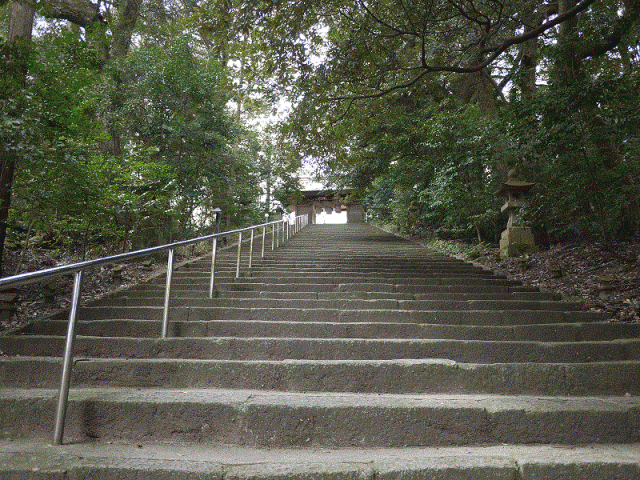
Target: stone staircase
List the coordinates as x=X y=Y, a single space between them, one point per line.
x=348 y=353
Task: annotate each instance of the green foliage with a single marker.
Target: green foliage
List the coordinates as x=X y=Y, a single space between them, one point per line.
x=395 y=110
x=377 y=201
x=583 y=149
x=15 y=125
x=168 y=109
x=57 y=138
x=138 y=149
x=458 y=201
x=173 y=102
x=431 y=170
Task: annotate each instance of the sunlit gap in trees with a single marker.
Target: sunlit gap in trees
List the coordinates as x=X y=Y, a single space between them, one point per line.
x=332 y=218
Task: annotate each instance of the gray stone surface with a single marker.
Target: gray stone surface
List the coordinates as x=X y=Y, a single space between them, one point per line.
x=273 y=419
x=22 y=459
x=347 y=354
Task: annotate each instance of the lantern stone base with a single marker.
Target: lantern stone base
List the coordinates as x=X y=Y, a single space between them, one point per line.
x=516 y=241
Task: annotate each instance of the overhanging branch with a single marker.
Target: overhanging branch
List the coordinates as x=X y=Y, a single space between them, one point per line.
x=80 y=12
x=495 y=51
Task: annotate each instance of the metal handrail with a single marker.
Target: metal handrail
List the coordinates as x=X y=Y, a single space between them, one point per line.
x=77 y=269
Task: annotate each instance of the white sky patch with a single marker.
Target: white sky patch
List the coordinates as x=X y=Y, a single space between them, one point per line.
x=334 y=218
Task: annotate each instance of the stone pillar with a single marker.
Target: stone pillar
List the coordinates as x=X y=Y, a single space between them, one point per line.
x=306 y=209
x=355 y=213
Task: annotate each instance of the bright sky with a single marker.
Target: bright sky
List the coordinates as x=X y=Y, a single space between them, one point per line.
x=333 y=218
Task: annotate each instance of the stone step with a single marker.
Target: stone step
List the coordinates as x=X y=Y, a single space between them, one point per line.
x=563 y=332
x=158 y=293
x=371 y=258
x=260 y=418
x=340 y=279
x=347 y=304
x=273 y=348
x=417 y=265
x=279 y=269
x=336 y=277
x=357 y=376
x=449 y=317
x=149 y=461
x=344 y=339
x=242 y=285
x=361 y=265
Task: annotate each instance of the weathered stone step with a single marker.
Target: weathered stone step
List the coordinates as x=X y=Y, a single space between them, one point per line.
x=383 y=269
x=148 y=461
x=158 y=293
x=344 y=245
x=349 y=304
x=313 y=257
x=449 y=317
x=418 y=264
x=276 y=419
x=390 y=304
x=369 y=253
x=565 y=332
x=242 y=285
x=228 y=348
x=374 y=260
x=356 y=376
x=297 y=277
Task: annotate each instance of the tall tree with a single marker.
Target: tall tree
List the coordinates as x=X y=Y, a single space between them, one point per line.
x=15 y=63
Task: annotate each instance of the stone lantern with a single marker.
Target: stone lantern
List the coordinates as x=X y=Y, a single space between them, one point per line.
x=516 y=239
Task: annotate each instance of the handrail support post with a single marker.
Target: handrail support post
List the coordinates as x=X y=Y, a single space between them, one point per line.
x=273 y=236
x=67 y=363
x=239 y=255
x=213 y=266
x=167 y=294
x=251 y=250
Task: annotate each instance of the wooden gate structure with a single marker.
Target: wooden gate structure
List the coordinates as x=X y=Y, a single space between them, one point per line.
x=315 y=201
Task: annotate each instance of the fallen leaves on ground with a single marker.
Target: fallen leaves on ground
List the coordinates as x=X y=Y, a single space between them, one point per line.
x=583 y=264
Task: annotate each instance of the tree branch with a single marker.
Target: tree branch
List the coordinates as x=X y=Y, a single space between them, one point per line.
x=536 y=32
x=495 y=51
x=383 y=92
x=344 y=114
x=382 y=22
x=621 y=27
x=80 y=12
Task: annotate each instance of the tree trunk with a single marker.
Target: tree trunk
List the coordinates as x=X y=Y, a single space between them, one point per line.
x=20 y=27
x=476 y=87
x=20 y=22
x=123 y=30
x=128 y=14
x=568 y=62
x=529 y=57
